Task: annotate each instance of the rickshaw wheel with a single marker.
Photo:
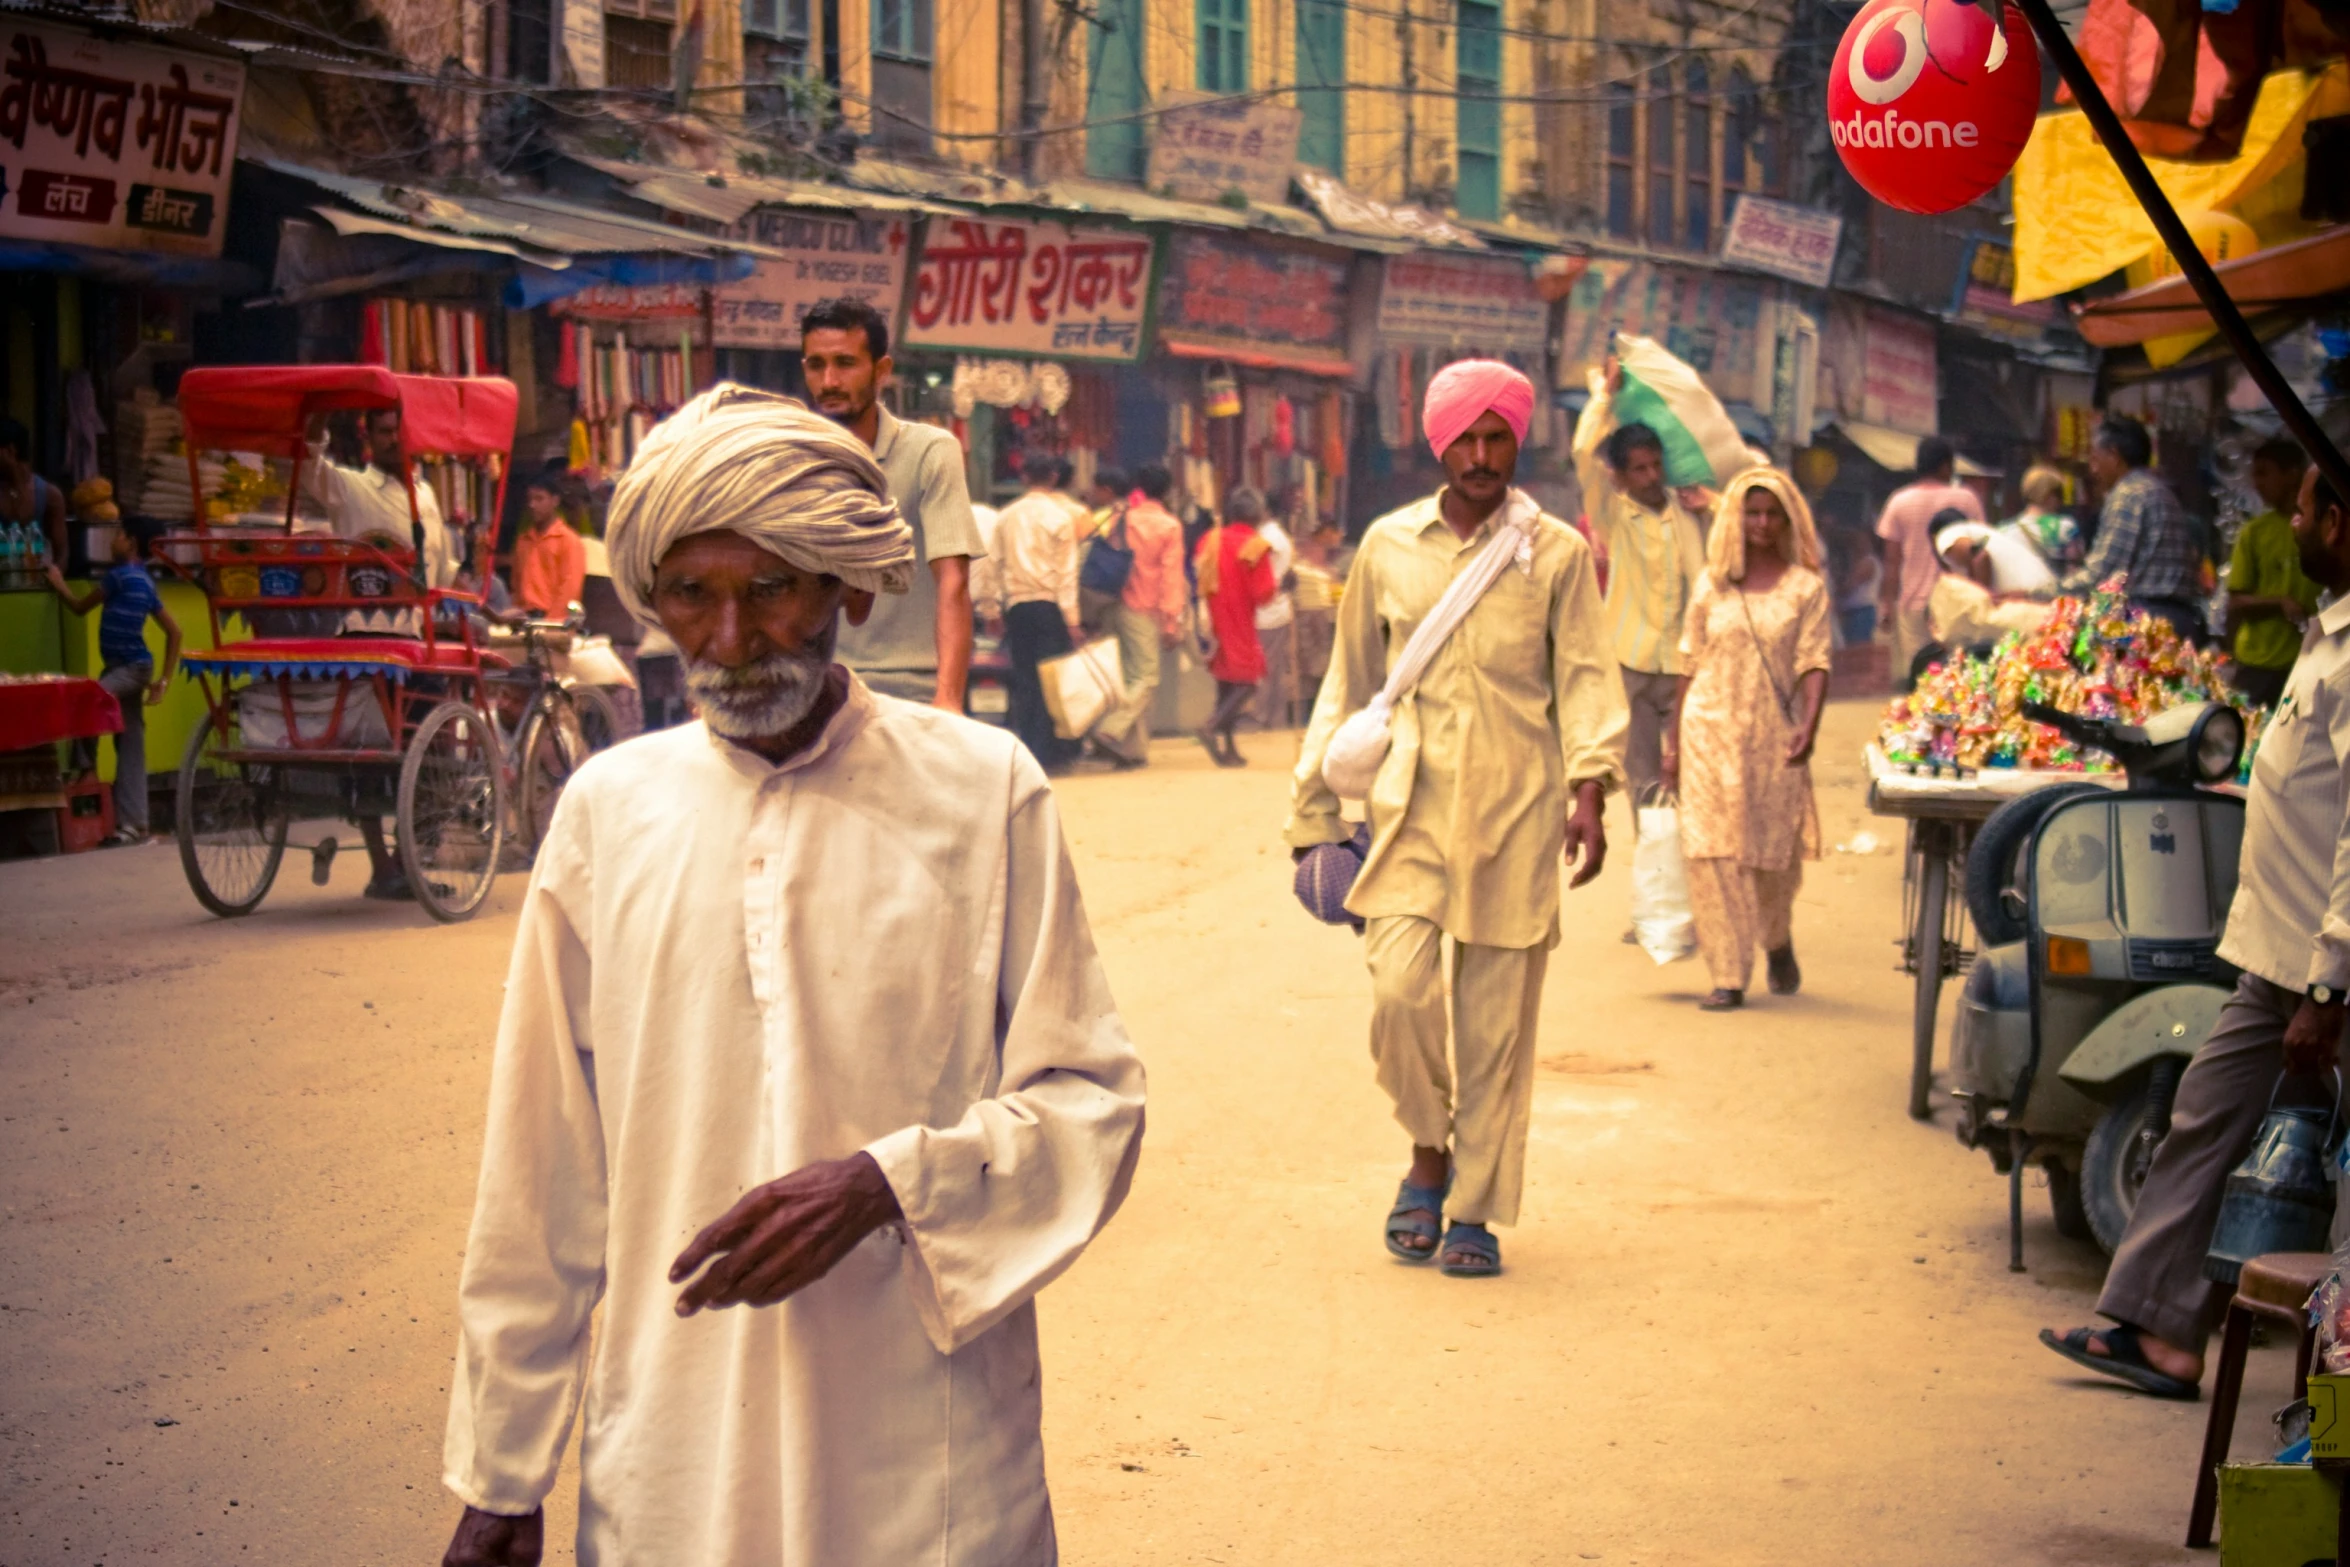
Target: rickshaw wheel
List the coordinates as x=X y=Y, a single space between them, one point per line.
x=452 y=814
x=231 y=822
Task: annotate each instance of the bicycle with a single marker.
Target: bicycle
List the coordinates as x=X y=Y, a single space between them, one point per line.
x=556 y=726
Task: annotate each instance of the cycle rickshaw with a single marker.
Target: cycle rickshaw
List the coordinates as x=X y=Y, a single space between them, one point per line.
x=312 y=721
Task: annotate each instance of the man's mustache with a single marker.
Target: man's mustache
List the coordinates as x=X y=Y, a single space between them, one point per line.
x=1482 y=473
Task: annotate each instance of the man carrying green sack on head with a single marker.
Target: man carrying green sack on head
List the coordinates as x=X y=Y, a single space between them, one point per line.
x=1655 y=549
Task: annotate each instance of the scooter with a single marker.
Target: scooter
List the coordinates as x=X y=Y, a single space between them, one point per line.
x=2099 y=913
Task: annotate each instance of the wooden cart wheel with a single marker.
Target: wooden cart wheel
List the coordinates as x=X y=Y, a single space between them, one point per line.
x=231 y=821
x=452 y=811
x=1933 y=910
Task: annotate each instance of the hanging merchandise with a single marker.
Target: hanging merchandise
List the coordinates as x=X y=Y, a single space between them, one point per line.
x=417 y=337
x=1930 y=102
x=567 y=356
x=1009 y=383
x=1220 y=393
x=1284 y=426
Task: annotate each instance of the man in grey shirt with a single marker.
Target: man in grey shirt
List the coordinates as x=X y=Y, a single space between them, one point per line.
x=915 y=645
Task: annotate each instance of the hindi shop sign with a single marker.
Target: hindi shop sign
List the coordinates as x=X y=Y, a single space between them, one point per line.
x=1461 y=301
x=1255 y=292
x=1200 y=151
x=988 y=287
x=1782 y=239
x=833 y=256
x=114 y=144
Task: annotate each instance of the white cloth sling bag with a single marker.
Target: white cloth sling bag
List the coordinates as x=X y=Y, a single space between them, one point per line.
x=1355 y=753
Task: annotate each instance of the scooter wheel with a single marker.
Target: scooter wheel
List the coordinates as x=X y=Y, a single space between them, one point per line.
x=2113 y=1164
x=1990 y=860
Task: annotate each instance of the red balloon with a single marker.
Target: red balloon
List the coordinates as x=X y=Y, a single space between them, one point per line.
x=1930 y=102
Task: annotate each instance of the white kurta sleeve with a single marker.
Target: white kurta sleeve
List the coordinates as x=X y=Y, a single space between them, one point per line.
x=999 y=1204
x=534 y=1265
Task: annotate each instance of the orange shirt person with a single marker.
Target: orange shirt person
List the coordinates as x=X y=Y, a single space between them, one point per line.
x=550 y=563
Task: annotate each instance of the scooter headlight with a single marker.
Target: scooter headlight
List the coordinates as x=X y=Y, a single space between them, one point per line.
x=2218 y=742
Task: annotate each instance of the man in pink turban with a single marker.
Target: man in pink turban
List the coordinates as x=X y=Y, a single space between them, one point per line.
x=1497 y=760
x=1461 y=392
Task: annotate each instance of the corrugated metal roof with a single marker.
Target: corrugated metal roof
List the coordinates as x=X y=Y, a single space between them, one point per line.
x=725 y=198
x=1350 y=212
x=543 y=223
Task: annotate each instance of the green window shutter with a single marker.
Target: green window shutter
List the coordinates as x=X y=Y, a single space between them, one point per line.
x=1321 y=62
x=1477 y=123
x=1114 y=89
x=1223 y=45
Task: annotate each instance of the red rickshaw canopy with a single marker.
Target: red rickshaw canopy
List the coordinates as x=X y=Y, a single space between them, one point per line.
x=267 y=408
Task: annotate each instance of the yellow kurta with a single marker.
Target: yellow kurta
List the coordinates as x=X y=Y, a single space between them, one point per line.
x=1522 y=703
x=724 y=971
x=1654 y=557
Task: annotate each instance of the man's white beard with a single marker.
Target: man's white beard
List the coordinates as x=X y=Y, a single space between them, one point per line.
x=763 y=699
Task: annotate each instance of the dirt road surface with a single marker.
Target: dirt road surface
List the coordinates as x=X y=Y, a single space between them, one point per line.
x=1754 y=1314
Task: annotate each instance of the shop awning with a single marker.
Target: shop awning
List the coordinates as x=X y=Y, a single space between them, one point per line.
x=1351 y=213
x=1140 y=206
x=535 y=222
x=1255 y=356
x=2301 y=274
x=726 y=198
x=131 y=268
x=2075 y=219
x=554 y=247
x=1896 y=451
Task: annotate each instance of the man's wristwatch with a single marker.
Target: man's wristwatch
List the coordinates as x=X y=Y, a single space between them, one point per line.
x=2325 y=995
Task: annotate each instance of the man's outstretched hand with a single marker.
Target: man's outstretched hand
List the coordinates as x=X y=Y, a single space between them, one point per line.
x=785 y=1235
x=1586 y=834
x=491 y=1540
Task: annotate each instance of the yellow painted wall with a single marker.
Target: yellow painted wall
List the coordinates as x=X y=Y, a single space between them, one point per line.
x=856 y=64
x=966 y=73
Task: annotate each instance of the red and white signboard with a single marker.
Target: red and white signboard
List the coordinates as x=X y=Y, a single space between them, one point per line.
x=1897 y=371
x=1049 y=289
x=833 y=256
x=114 y=144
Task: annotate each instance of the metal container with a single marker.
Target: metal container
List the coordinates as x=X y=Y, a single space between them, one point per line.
x=2281 y=1197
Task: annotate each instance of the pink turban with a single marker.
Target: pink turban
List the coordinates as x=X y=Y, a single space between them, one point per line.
x=1460 y=393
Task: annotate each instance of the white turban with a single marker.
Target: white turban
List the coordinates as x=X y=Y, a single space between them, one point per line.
x=761 y=465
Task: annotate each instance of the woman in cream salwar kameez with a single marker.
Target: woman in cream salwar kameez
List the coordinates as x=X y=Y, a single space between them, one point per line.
x=1754 y=673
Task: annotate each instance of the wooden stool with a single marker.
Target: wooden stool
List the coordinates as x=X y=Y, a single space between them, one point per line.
x=2277 y=1287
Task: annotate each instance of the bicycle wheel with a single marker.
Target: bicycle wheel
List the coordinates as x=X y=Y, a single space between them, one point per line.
x=232 y=820
x=452 y=820
x=552 y=746
x=601 y=721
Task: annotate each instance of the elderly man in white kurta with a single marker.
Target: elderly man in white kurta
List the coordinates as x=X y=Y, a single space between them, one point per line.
x=808 y=1072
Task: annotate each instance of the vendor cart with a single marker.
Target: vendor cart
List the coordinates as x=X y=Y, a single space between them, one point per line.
x=1943 y=808
x=399 y=721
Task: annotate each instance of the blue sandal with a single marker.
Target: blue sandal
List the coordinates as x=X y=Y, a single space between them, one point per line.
x=1419 y=1213
x=1481 y=1252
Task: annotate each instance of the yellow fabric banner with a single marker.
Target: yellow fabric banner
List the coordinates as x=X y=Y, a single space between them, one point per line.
x=2075 y=219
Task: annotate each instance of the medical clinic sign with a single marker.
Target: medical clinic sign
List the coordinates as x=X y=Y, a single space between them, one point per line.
x=114 y=144
x=1050 y=289
x=832 y=256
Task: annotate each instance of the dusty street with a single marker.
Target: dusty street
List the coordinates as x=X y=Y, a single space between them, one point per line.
x=1755 y=1314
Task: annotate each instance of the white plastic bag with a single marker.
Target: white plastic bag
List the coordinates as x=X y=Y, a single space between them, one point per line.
x=1080 y=688
x=1667 y=931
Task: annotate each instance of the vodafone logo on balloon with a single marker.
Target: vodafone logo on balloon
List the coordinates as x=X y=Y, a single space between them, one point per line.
x=1930 y=102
